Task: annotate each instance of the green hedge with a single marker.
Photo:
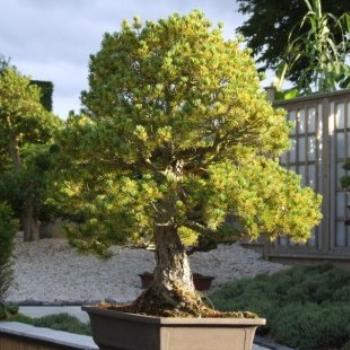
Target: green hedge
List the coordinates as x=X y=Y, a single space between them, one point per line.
x=60 y=322
x=46 y=92
x=305 y=307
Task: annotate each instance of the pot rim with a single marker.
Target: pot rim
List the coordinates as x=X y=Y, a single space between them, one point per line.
x=176 y=321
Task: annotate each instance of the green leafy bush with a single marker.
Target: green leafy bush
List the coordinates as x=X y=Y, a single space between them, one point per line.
x=305 y=307
x=312 y=326
x=8 y=228
x=61 y=322
x=7 y=311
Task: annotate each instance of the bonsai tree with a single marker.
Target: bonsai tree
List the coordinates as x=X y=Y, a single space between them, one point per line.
x=178 y=129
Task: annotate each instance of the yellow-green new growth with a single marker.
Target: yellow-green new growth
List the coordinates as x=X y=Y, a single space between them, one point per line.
x=177 y=111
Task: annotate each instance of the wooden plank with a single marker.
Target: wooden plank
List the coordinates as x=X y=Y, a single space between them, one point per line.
x=326 y=175
x=18 y=344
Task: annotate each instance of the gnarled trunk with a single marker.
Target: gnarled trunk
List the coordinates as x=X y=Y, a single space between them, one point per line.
x=172 y=291
x=172 y=269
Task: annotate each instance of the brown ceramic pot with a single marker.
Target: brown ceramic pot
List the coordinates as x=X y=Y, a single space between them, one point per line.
x=115 y=330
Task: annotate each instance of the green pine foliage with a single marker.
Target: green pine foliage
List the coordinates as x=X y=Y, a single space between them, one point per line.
x=26 y=133
x=175 y=122
x=306 y=307
x=21 y=111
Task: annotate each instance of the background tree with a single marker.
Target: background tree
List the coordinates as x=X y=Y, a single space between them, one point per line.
x=327 y=67
x=270 y=23
x=175 y=116
x=26 y=128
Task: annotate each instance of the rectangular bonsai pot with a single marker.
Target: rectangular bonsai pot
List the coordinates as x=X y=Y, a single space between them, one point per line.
x=115 y=330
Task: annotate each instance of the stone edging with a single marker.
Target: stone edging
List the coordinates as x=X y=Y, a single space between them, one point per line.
x=268 y=343
x=29 y=333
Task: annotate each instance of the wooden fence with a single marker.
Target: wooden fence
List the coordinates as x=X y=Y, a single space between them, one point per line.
x=321 y=143
x=7 y=343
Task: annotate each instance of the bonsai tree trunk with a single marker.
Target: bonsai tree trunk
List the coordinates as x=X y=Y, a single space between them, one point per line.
x=173 y=269
x=172 y=292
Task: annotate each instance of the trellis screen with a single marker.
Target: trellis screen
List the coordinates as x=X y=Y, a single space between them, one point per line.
x=320 y=145
x=340 y=127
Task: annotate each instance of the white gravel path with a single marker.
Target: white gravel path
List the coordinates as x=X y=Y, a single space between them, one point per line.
x=50 y=271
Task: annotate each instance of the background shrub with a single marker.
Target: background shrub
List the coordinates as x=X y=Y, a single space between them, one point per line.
x=312 y=326
x=305 y=307
x=8 y=228
x=61 y=322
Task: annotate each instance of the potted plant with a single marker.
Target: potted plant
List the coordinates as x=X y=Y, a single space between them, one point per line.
x=178 y=130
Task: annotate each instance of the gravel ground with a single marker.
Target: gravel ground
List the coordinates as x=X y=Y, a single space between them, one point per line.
x=49 y=271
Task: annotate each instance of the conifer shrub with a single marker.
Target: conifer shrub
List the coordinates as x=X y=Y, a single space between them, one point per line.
x=306 y=307
x=312 y=326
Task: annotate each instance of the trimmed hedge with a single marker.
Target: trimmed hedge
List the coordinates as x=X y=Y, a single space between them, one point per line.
x=305 y=307
x=60 y=322
x=312 y=326
x=46 y=88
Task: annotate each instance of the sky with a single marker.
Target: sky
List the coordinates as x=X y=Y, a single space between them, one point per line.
x=52 y=39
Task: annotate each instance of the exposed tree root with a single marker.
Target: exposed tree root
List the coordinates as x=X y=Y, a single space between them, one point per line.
x=158 y=301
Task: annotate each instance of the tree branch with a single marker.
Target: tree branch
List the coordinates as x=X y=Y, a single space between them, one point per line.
x=203 y=230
